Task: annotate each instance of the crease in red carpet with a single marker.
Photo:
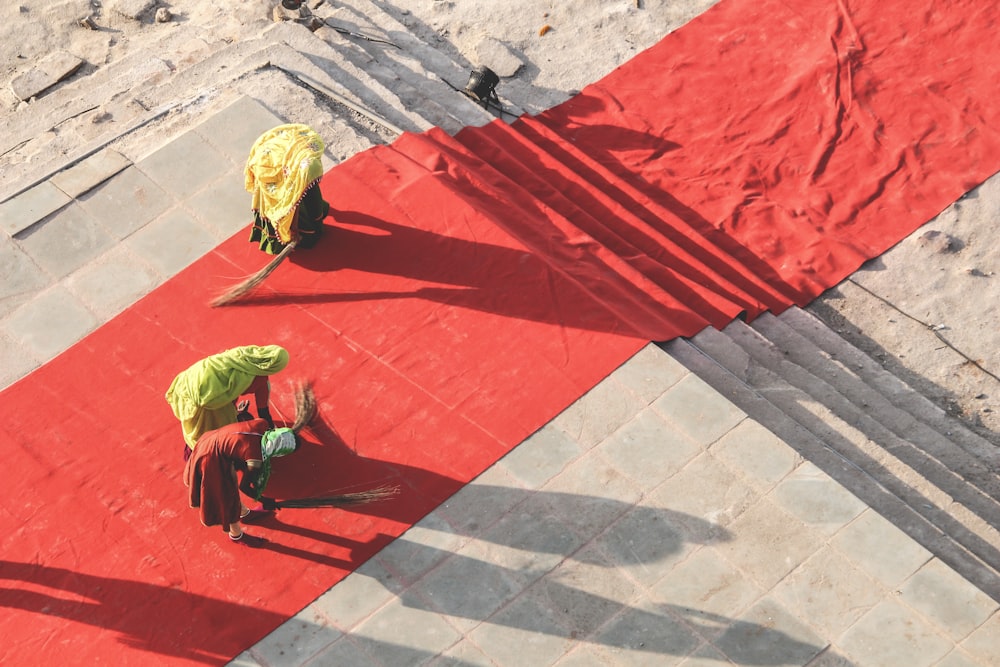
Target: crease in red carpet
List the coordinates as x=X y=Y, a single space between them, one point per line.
x=469 y=288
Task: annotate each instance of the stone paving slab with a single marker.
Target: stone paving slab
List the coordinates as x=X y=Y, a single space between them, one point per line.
x=20 y=277
x=66 y=241
x=48 y=324
x=88 y=242
x=185 y=165
x=233 y=130
x=126 y=202
x=22 y=211
x=90 y=172
x=724 y=547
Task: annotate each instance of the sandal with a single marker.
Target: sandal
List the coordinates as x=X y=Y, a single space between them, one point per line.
x=248 y=540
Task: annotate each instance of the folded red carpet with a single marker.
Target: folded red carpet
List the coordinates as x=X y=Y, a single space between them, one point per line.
x=466 y=291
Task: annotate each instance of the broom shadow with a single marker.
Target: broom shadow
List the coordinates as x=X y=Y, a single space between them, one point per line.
x=475 y=275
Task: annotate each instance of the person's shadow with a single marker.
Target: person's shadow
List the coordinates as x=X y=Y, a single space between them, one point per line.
x=129 y=608
x=639 y=254
x=544 y=531
x=399 y=261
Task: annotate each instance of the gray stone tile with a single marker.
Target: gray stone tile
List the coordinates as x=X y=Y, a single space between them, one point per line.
x=112 y=283
x=916 y=643
x=296 y=640
x=584 y=655
x=829 y=592
x=435 y=532
x=403 y=633
x=463 y=654
x=126 y=202
x=646 y=543
x=529 y=541
x=831 y=657
x=544 y=454
x=590 y=494
x=90 y=172
x=584 y=593
x=958 y=658
x=185 y=165
x=244 y=659
x=468 y=590
x=706 y=656
x=407 y=562
x=526 y=627
x=760 y=455
x=648 y=450
x=767 y=544
x=15 y=360
x=171 y=242
x=234 y=129
x=65 y=241
x=20 y=277
x=50 y=323
x=345 y=651
x=481 y=503
x=224 y=208
x=882 y=550
x=649 y=373
x=815 y=498
x=940 y=594
x=698 y=411
x=769 y=634
x=358 y=595
x=982 y=645
x=23 y=210
x=598 y=413
x=708 y=492
x=642 y=635
x=707 y=591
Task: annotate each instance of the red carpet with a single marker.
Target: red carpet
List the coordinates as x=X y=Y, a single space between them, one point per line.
x=466 y=291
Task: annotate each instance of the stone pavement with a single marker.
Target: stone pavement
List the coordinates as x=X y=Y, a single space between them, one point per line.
x=651 y=523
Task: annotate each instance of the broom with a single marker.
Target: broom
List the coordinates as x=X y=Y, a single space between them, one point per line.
x=239 y=291
x=305 y=410
x=341 y=500
x=305 y=406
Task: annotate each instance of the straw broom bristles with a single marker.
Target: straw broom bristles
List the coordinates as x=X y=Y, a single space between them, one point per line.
x=341 y=500
x=305 y=406
x=305 y=411
x=239 y=291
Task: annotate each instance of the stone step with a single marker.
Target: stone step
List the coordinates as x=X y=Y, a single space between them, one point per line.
x=424 y=77
x=95 y=86
x=950 y=387
x=86 y=114
x=808 y=342
x=402 y=91
x=307 y=53
x=939 y=505
x=859 y=434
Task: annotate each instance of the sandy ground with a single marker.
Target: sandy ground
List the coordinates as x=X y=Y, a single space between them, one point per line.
x=928 y=308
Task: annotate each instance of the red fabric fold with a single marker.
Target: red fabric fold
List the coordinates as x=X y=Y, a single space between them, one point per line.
x=468 y=289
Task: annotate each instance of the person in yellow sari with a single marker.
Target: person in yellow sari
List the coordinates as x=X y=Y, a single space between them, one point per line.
x=282 y=174
x=203 y=397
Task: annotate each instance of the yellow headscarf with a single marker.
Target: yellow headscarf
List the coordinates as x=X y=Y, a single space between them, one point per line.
x=202 y=396
x=283 y=162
